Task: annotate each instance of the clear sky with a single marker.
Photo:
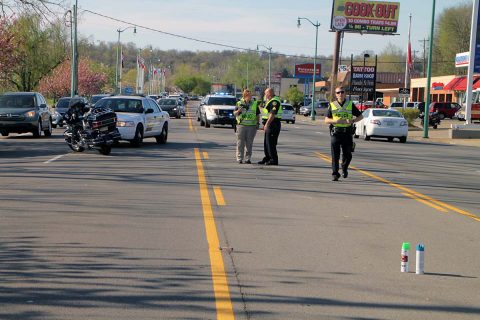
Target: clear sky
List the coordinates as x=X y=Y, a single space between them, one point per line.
x=244 y=24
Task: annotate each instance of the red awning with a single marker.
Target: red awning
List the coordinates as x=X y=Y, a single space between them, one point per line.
x=453 y=83
x=476 y=83
x=460 y=83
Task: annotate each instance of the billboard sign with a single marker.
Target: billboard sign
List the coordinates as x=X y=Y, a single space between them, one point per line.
x=365 y=16
x=462 y=59
x=305 y=70
x=363 y=79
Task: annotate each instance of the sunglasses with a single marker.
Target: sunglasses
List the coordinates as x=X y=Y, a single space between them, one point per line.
x=338 y=92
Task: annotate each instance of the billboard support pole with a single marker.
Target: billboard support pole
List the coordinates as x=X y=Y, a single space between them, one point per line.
x=333 y=84
x=351 y=76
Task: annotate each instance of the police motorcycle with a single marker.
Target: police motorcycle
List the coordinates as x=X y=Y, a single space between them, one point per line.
x=90 y=128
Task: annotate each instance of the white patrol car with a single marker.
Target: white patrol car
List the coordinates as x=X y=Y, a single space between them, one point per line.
x=218 y=109
x=138 y=118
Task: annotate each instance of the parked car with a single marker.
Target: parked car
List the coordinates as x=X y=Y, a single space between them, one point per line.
x=288 y=113
x=22 y=112
x=138 y=118
x=475 y=113
x=382 y=123
x=61 y=107
x=172 y=106
x=445 y=109
x=321 y=108
x=362 y=106
x=218 y=109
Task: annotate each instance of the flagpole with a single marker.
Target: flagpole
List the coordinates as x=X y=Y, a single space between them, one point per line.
x=408 y=61
x=121 y=69
x=138 y=73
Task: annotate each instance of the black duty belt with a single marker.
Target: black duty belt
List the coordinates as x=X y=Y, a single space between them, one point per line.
x=342 y=129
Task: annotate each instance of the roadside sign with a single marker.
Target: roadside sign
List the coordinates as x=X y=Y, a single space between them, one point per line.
x=305 y=70
x=343 y=68
x=404 y=91
x=363 y=79
x=365 y=16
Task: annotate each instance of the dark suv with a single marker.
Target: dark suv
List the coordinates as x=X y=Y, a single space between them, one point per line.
x=445 y=109
x=22 y=112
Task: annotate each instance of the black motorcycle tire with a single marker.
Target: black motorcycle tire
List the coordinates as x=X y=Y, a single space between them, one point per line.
x=74 y=144
x=105 y=150
x=434 y=126
x=75 y=147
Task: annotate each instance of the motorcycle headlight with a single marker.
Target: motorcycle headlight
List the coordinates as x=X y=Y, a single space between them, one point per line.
x=30 y=114
x=57 y=114
x=125 y=124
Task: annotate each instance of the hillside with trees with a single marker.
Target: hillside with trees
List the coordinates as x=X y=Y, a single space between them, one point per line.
x=34 y=48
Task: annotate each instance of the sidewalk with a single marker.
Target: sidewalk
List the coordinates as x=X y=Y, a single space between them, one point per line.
x=440 y=135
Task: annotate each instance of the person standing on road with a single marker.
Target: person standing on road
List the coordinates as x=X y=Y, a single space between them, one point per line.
x=247 y=114
x=271 y=115
x=340 y=118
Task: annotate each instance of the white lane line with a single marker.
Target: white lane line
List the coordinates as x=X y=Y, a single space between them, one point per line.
x=55 y=158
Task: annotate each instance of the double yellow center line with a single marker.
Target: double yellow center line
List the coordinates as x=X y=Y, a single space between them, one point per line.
x=433 y=203
x=220 y=284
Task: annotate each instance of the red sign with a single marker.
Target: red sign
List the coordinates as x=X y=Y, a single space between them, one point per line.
x=306 y=69
x=437 y=86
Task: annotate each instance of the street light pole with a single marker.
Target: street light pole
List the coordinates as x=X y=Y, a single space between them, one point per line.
x=74 y=64
x=316 y=25
x=118 y=86
x=269 y=63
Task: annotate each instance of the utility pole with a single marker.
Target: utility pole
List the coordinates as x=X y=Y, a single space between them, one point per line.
x=424 y=56
x=74 y=63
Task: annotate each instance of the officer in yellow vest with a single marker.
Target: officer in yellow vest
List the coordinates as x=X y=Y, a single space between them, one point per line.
x=247 y=114
x=271 y=116
x=340 y=116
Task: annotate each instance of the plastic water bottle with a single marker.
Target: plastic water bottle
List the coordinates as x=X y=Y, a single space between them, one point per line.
x=420 y=259
x=404 y=257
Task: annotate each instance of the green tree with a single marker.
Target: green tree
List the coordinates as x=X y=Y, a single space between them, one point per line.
x=452 y=36
x=202 y=87
x=40 y=50
x=186 y=83
x=294 y=96
x=390 y=59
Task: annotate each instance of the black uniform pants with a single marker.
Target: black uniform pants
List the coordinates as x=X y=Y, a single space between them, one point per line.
x=343 y=141
x=270 y=142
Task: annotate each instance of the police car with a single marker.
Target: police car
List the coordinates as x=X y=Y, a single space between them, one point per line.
x=218 y=109
x=138 y=118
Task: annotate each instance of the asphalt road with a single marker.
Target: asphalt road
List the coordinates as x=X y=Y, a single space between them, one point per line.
x=181 y=231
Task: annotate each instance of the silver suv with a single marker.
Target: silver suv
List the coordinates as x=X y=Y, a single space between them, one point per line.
x=22 y=112
x=218 y=109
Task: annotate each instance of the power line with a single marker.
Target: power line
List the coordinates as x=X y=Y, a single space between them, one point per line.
x=226 y=45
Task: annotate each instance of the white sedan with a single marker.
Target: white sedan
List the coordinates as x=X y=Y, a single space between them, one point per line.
x=137 y=118
x=382 y=123
x=288 y=113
